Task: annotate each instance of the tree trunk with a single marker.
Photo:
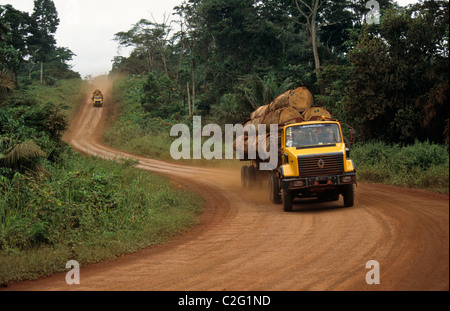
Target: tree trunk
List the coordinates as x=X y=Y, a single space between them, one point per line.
x=193 y=91
x=31 y=70
x=189 y=98
x=180 y=61
x=42 y=71
x=314 y=45
x=311 y=26
x=163 y=58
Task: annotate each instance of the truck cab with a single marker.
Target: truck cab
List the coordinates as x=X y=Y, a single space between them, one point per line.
x=98 y=101
x=314 y=163
x=97 y=98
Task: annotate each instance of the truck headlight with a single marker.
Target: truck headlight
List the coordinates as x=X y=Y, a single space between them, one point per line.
x=347 y=179
x=298 y=183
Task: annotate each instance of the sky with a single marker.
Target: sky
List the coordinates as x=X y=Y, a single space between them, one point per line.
x=87 y=27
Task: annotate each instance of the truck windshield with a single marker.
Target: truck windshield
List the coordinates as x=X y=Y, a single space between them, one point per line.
x=312 y=134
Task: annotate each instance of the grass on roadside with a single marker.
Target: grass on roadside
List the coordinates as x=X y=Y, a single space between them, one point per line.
x=422 y=165
x=89 y=210
x=86 y=209
x=70 y=93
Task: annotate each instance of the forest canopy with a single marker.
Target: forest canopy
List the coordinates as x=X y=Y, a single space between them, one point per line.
x=222 y=59
x=28 y=49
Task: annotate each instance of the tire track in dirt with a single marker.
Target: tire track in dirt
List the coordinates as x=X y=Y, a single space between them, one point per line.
x=246 y=243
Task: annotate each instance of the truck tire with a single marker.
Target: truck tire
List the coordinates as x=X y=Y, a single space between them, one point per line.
x=244 y=177
x=287 y=200
x=274 y=189
x=251 y=177
x=349 y=196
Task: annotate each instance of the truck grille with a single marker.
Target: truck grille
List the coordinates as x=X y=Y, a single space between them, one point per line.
x=321 y=165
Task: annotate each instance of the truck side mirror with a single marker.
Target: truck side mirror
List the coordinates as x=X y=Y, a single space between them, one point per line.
x=352 y=136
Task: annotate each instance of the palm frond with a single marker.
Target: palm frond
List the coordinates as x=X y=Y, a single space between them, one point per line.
x=6 y=84
x=24 y=152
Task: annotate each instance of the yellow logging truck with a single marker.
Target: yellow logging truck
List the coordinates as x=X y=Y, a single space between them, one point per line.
x=97 y=98
x=314 y=161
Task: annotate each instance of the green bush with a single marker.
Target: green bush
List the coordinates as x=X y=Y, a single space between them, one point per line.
x=422 y=165
x=82 y=208
x=135 y=129
x=89 y=209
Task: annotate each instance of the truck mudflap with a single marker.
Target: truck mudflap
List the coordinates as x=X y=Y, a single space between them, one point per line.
x=320 y=182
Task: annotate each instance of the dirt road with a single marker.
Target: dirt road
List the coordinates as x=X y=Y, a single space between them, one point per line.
x=246 y=243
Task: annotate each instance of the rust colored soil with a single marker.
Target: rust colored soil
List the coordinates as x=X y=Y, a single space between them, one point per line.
x=246 y=243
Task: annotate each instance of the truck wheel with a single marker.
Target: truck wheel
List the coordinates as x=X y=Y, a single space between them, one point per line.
x=349 y=196
x=274 y=189
x=287 y=200
x=244 y=177
x=251 y=177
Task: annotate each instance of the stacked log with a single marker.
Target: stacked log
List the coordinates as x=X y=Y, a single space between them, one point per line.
x=300 y=98
x=280 y=116
x=251 y=142
x=294 y=104
x=96 y=93
x=259 y=112
x=288 y=106
x=315 y=113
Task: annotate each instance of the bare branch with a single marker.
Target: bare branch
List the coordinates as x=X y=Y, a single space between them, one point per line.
x=321 y=3
x=303 y=24
x=301 y=11
x=304 y=3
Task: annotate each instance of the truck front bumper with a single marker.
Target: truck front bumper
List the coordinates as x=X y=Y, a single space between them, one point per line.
x=319 y=182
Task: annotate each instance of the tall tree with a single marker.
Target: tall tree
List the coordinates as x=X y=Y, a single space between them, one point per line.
x=310 y=12
x=17 y=33
x=398 y=90
x=149 y=40
x=47 y=22
x=6 y=85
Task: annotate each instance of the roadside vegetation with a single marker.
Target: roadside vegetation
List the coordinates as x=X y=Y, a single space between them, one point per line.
x=57 y=205
x=134 y=129
x=422 y=165
x=88 y=210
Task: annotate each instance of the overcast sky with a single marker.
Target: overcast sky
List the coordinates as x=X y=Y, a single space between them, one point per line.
x=87 y=27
